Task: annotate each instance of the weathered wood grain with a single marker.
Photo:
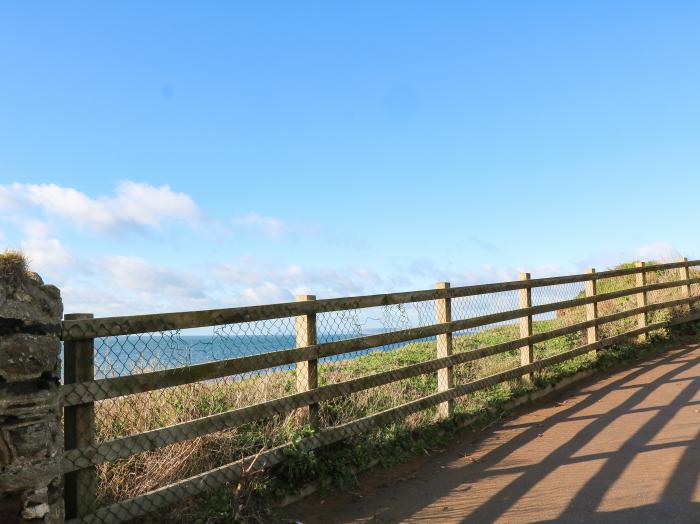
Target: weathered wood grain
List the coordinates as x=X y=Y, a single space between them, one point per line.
x=80 y=487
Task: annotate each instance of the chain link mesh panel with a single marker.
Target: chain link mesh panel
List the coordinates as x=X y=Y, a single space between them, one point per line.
x=561 y=318
x=139 y=413
x=616 y=305
x=483 y=336
x=694 y=272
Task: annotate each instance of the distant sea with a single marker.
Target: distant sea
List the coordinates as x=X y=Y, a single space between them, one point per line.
x=127 y=355
x=132 y=354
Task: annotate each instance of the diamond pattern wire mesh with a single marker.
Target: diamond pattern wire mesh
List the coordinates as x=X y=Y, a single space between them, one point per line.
x=694 y=288
x=217 y=428
x=141 y=412
x=483 y=336
x=658 y=296
x=389 y=356
x=664 y=295
x=616 y=305
x=561 y=318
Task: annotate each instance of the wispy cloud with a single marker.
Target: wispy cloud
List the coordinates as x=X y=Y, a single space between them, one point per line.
x=293 y=279
x=139 y=275
x=47 y=255
x=268 y=225
x=8 y=199
x=121 y=285
x=271 y=226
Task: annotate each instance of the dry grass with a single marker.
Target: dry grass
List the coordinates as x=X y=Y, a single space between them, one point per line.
x=13 y=267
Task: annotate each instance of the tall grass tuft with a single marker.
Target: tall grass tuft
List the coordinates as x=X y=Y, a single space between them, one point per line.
x=13 y=266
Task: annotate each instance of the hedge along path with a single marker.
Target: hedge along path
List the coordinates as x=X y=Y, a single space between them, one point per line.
x=219 y=477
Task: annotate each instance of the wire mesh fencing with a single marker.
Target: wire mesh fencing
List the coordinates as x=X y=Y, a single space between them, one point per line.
x=480 y=337
x=196 y=450
x=163 y=407
x=617 y=305
x=173 y=412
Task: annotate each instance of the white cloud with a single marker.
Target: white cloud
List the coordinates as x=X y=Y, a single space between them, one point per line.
x=243 y=275
x=136 y=274
x=270 y=226
x=266 y=293
x=112 y=284
x=658 y=252
x=133 y=206
x=47 y=256
x=116 y=284
x=296 y=280
x=8 y=200
x=35 y=228
x=125 y=285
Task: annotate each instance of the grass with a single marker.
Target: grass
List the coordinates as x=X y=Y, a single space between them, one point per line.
x=13 y=267
x=336 y=464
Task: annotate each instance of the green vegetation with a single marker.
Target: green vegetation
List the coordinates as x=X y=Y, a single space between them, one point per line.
x=335 y=465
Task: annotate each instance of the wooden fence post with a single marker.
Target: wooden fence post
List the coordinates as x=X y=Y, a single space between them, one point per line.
x=307 y=371
x=591 y=309
x=641 y=280
x=445 y=376
x=525 y=301
x=685 y=277
x=79 y=423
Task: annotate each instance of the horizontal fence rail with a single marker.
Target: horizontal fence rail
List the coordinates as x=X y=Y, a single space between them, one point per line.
x=89 y=453
x=129 y=325
x=114 y=387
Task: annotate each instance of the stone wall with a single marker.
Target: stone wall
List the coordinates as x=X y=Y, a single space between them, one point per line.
x=31 y=440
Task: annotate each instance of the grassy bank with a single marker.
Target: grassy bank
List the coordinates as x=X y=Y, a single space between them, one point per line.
x=335 y=464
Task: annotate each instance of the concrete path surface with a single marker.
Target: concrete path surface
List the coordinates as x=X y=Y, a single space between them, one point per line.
x=622 y=448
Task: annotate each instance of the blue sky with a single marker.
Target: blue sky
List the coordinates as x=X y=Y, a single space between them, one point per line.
x=164 y=157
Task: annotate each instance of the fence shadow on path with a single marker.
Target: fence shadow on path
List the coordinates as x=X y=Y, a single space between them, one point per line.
x=633 y=406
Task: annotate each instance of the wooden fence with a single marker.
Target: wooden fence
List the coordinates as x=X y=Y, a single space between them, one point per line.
x=82 y=390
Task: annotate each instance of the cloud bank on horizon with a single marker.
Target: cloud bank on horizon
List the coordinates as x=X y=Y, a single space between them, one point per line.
x=150 y=248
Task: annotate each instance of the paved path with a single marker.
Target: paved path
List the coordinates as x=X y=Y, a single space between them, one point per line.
x=625 y=448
